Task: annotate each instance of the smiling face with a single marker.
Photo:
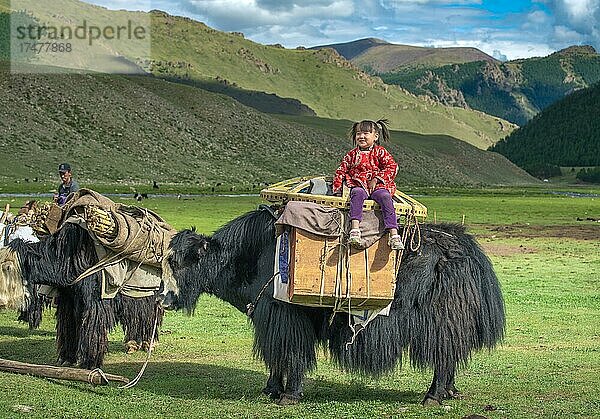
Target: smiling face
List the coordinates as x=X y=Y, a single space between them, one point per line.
x=366 y=139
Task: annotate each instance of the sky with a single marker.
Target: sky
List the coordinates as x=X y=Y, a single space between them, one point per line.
x=506 y=29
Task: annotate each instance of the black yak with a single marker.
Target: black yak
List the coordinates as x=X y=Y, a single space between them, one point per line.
x=448 y=304
x=83 y=318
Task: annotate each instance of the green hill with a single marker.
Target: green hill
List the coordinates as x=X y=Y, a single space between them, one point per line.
x=514 y=90
x=566 y=133
x=322 y=81
x=135 y=129
x=376 y=56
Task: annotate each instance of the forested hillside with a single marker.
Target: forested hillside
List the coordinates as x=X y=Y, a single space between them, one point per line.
x=567 y=133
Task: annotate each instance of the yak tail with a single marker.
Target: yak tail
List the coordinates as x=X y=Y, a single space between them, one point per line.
x=449 y=300
x=448 y=305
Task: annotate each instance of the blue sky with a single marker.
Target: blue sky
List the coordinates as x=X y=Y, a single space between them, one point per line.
x=506 y=29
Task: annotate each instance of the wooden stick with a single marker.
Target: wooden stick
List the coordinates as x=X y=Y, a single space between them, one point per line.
x=95 y=377
x=5 y=215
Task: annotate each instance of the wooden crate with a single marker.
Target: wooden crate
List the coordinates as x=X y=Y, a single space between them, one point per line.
x=320 y=275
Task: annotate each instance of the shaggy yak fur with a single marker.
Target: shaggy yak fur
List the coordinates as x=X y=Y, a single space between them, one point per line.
x=83 y=318
x=448 y=304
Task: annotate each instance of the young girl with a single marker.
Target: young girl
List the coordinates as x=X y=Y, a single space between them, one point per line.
x=369 y=170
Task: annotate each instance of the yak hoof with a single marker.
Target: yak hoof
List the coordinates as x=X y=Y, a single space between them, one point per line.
x=146 y=346
x=64 y=363
x=288 y=400
x=272 y=393
x=453 y=393
x=429 y=401
x=131 y=347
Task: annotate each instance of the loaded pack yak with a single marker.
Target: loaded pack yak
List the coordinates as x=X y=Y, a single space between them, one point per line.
x=83 y=318
x=447 y=305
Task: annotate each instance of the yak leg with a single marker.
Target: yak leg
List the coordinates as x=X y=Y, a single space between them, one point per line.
x=97 y=319
x=442 y=387
x=451 y=390
x=436 y=392
x=274 y=388
x=285 y=339
x=67 y=338
x=293 y=388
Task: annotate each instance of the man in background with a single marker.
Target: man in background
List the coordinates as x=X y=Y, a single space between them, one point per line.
x=68 y=185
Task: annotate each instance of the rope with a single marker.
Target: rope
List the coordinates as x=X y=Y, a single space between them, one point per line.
x=93 y=373
x=439 y=231
x=251 y=306
x=138 y=377
x=117 y=257
x=411 y=238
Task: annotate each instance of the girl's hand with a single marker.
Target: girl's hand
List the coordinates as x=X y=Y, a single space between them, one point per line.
x=372 y=184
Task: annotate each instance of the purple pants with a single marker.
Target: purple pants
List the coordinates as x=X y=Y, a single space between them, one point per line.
x=382 y=197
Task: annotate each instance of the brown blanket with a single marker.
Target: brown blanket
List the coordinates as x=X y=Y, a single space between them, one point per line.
x=327 y=221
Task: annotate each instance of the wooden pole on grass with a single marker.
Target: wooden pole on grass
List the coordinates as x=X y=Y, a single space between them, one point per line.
x=95 y=377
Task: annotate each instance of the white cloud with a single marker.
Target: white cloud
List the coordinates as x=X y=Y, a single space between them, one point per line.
x=547 y=26
x=247 y=14
x=576 y=21
x=498 y=55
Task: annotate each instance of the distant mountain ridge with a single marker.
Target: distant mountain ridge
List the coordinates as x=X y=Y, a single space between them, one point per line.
x=350 y=50
x=378 y=56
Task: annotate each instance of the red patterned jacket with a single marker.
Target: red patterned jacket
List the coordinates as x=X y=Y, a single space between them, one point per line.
x=359 y=167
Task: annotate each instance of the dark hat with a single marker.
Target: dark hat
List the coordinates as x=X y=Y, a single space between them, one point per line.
x=64 y=167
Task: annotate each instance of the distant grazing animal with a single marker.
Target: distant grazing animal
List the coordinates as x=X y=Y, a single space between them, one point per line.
x=448 y=305
x=83 y=318
x=155 y=185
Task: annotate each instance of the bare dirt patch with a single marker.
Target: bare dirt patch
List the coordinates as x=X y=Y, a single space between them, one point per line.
x=579 y=232
x=502 y=249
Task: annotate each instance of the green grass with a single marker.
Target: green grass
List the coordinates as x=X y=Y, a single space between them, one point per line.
x=548 y=365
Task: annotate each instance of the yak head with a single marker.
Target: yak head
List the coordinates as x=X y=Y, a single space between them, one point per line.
x=13 y=293
x=186 y=250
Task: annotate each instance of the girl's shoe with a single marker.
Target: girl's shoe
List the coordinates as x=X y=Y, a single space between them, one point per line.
x=395 y=242
x=354 y=238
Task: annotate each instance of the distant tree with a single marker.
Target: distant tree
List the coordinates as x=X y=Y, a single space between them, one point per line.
x=543 y=170
x=591 y=175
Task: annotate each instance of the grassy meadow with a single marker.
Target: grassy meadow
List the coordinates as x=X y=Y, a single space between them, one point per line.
x=548 y=365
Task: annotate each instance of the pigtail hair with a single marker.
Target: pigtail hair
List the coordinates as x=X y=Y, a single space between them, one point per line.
x=380 y=126
x=352 y=132
x=383 y=128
